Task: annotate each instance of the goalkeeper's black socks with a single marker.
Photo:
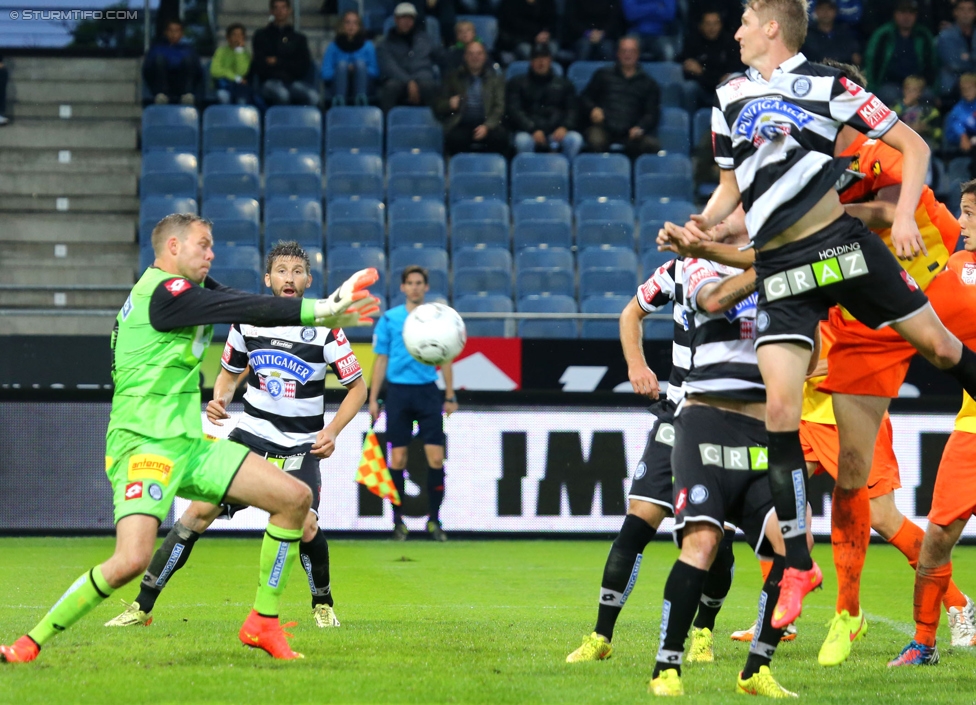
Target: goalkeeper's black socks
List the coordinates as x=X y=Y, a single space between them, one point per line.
x=315 y=561
x=168 y=559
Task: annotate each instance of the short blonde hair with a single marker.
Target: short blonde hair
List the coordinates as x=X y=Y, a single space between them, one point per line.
x=791 y=16
x=913 y=82
x=465 y=24
x=175 y=224
x=967 y=78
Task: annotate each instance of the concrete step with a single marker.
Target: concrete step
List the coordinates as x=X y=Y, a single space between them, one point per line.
x=256 y=20
x=78 y=111
x=64 y=255
x=67 y=184
x=73 y=229
x=65 y=134
x=83 y=204
x=66 y=299
x=77 y=91
x=87 y=161
x=40 y=274
x=35 y=68
x=72 y=324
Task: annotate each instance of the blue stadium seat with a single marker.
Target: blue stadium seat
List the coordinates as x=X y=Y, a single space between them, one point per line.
x=580 y=72
x=654 y=213
x=480 y=211
x=545 y=280
x=519 y=68
x=608 y=280
x=429 y=257
x=652 y=187
x=415 y=175
x=231 y=128
x=660 y=328
x=316 y=266
x=543 y=222
x=353 y=174
x=169 y=174
x=247 y=280
x=482 y=280
x=152 y=209
x=235 y=220
x=610 y=328
x=171 y=128
x=492 y=257
x=475 y=176
x=484 y=303
x=674 y=140
x=601 y=223
x=651 y=259
x=567 y=328
x=298 y=219
x=418 y=221
x=293 y=174
x=227 y=174
x=146 y=257
x=672 y=164
x=408 y=115
x=540 y=176
x=485 y=27
x=474 y=233
x=701 y=125
x=415 y=139
x=666 y=73
x=354 y=129
x=346 y=261
x=608 y=257
x=544 y=258
x=597 y=176
x=293 y=128
x=355 y=221
x=674 y=117
x=237 y=256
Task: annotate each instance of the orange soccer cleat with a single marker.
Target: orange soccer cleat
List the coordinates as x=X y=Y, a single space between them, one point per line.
x=793 y=588
x=21 y=651
x=267 y=633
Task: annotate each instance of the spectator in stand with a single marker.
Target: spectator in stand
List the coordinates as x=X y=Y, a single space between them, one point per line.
x=829 y=39
x=850 y=12
x=349 y=62
x=542 y=108
x=709 y=55
x=623 y=104
x=653 y=22
x=957 y=48
x=464 y=33
x=934 y=14
x=282 y=61
x=443 y=11
x=957 y=134
x=4 y=75
x=523 y=24
x=917 y=114
x=593 y=28
x=171 y=68
x=471 y=106
x=407 y=58
x=897 y=50
x=230 y=68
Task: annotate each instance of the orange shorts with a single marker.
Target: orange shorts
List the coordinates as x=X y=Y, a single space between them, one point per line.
x=820 y=445
x=954 y=496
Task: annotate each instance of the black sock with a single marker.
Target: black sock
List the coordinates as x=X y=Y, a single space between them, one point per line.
x=788 y=482
x=717 y=584
x=620 y=571
x=399 y=483
x=767 y=638
x=170 y=557
x=435 y=492
x=315 y=560
x=965 y=371
x=682 y=592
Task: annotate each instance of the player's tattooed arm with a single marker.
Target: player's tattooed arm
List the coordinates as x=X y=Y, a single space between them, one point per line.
x=720 y=297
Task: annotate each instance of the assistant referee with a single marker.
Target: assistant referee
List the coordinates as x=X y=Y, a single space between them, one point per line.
x=411 y=395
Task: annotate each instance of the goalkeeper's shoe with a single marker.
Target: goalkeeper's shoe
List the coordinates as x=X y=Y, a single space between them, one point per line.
x=324 y=616
x=594 y=648
x=21 y=651
x=789 y=634
x=793 y=588
x=916 y=654
x=351 y=304
x=962 y=624
x=762 y=683
x=701 y=646
x=267 y=633
x=667 y=683
x=132 y=617
x=843 y=630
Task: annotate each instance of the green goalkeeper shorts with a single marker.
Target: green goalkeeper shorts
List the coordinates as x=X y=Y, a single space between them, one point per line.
x=148 y=474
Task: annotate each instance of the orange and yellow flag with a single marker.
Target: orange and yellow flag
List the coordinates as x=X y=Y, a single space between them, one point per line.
x=373 y=472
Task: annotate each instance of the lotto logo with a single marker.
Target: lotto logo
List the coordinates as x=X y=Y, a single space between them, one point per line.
x=851 y=87
x=347 y=366
x=810 y=276
x=340 y=336
x=909 y=280
x=133 y=491
x=874 y=112
x=682 y=501
x=177 y=286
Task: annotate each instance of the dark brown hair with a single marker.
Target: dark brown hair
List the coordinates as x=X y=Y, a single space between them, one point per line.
x=414 y=269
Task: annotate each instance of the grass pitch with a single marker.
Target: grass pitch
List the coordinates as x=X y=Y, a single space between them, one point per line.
x=462 y=622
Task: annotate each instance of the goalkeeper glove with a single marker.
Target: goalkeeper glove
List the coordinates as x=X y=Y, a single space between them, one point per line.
x=351 y=304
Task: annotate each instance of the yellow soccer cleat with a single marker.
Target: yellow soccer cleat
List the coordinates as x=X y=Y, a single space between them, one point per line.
x=762 y=683
x=843 y=631
x=789 y=634
x=667 y=683
x=594 y=648
x=701 y=646
x=324 y=616
x=132 y=617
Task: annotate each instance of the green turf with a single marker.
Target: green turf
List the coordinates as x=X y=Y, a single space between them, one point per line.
x=479 y=622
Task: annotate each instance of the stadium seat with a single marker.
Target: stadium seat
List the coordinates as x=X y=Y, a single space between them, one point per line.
x=608 y=256
x=543 y=222
x=152 y=209
x=484 y=303
x=237 y=256
x=566 y=328
x=408 y=115
x=169 y=174
x=672 y=164
x=482 y=280
x=480 y=211
x=601 y=223
x=415 y=139
x=656 y=186
x=354 y=129
x=171 y=128
x=415 y=175
x=316 y=266
x=146 y=257
x=597 y=176
x=610 y=328
x=492 y=257
x=293 y=174
x=231 y=128
x=540 y=176
x=474 y=233
x=485 y=27
x=298 y=219
x=654 y=213
x=418 y=221
x=664 y=72
x=247 y=280
x=544 y=258
x=345 y=261
x=478 y=176
x=293 y=128
x=353 y=174
x=545 y=280
x=355 y=221
x=608 y=280
x=660 y=328
x=427 y=257
x=651 y=259
x=580 y=72
x=231 y=175
x=674 y=140
x=519 y=68
x=235 y=220
x=701 y=126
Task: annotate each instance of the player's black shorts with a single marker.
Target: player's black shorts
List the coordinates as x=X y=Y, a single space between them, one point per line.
x=304 y=467
x=652 y=478
x=844 y=263
x=720 y=473
x=406 y=403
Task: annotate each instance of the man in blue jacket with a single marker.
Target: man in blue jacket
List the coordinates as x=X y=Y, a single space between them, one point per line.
x=171 y=69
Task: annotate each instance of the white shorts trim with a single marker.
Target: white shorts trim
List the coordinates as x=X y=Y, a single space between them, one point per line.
x=692 y=520
x=641 y=498
x=905 y=318
x=762 y=535
x=785 y=338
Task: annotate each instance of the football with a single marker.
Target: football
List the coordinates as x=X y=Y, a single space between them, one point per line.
x=434 y=334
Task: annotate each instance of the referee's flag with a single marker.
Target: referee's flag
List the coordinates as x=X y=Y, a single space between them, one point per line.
x=373 y=472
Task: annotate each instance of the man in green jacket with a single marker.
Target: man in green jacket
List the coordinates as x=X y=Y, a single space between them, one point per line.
x=230 y=66
x=897 y=50
x=471 y=106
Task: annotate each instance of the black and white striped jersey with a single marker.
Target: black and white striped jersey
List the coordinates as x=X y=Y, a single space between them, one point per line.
x=723 y=345
x=779 y=135
x=661 y=288
x=285 y=399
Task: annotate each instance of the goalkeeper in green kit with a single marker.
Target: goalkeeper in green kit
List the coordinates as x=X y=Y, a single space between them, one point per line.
x=155 y=447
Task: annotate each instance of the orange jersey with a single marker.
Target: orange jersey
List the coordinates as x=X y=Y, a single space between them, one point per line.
x=964 y=264
x=817 y=406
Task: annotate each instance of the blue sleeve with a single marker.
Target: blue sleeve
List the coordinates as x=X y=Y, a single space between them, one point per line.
x=969 y=125
x=381 y=337
x=329 y=62
x=372 y=65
